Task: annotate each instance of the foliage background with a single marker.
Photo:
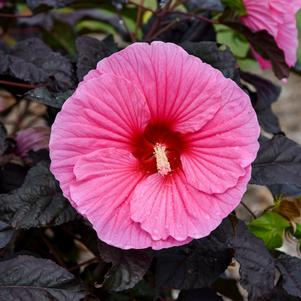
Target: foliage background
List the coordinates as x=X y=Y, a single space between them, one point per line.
x=49 y=252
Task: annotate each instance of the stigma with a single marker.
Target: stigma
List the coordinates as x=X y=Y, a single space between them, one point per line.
x=163 y=165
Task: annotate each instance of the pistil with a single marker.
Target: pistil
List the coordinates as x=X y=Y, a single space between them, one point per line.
x=163 y=165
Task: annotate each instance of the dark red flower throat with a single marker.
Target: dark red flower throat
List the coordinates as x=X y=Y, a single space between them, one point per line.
x=158 y=148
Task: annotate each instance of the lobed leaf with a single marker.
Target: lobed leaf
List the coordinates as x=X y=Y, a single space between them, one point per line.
x=290 y=268
x=6 y=234
x=91 y=51
x=203 y=294
x=3 y=144
x=257 y=266
x=128 y=266
x=38 y=202
x=278 y=162
x=193 y=266
x=270 y=228
x=196 y=5
x=265 y=44
x=182 y=28
x=38 y=5
x=218 y=56
x=32 y=61
x=47 y=97
x=26 y=278
x=267 y=94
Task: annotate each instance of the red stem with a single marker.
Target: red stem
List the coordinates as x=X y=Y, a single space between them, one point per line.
x=20 y=85
x=14 y=16
x=138 y=19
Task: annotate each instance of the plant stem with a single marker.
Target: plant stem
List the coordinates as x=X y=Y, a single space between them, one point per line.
x=201 y=18
x=53 y=251
x=144 y=8
x=13 y=16
x=138 y=19
x=248 y=209
x=122 y=21
x=20 y=85
x=95 y=259
x=162 y=30
x=156 y=25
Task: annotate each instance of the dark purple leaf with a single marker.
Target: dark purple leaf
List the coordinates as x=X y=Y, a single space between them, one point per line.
x=11 y=176
x=193 y=266
x=26 y=278
x=33 y=61
x=196 y=5
x=278 y=294
x=285 y=190
x=203 y=294
x=217 y=55
x=38 y=5
x=278 y=162
x=267 y=94
x=257 y=266
x=6 y=234
x=3 y=144
x=183 y=28
x=290 y=268
x=91 y=51
x=47 y=97
x=265 y=44
x=38 y=202
x=128 y=266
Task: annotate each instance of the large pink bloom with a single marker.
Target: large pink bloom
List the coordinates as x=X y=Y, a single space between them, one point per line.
x=278 y=18
x=154 y=147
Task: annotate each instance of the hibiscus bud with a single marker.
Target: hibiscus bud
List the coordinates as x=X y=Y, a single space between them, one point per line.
x=32 y=139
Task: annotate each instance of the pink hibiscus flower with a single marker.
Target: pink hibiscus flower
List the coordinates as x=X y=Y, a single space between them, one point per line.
x=278 y=18
x=154 y=147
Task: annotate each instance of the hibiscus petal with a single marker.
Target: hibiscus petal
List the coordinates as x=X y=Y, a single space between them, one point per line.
x=219 y=153
x=171 y=207
x=166 y=212
x=278 y=18
x=104 y=112
x=178 y=87
x=287 y=39
x=104 y=182
x=259 y=16
x=296 y=5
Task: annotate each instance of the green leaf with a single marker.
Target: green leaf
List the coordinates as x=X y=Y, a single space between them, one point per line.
x=61 y=35
x=297 y=233
x=236 y=5
x=270 y=228
x=26 y=278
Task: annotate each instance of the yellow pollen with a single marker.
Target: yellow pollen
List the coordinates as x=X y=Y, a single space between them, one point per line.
x=163 y=166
